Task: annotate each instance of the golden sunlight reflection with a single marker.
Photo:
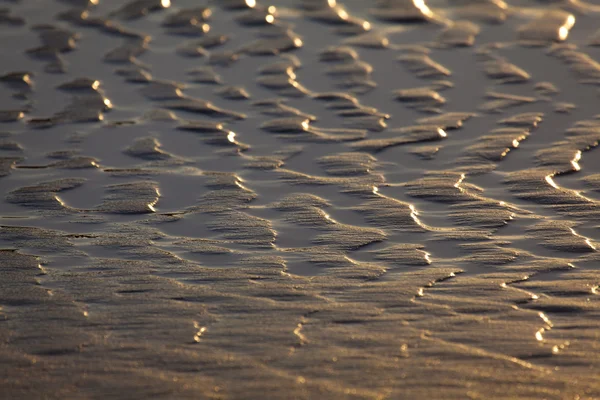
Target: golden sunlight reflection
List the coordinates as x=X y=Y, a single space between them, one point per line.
x=328 y=217
x=558 y=348
x=563 y=31
x=551 y=182
x=414 y=214
x=545 y=319
x=298 y=333
x=420 y=4
x=428 y=258
x=199 y=332
x=587 y=240
x=538 y=334
x=238 y=183
x=500 y=4
x=574 y=161
x=461 y=179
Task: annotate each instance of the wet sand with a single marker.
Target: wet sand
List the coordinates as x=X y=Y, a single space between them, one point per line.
x=299 y=199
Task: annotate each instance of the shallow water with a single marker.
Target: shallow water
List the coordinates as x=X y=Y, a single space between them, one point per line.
x=309 y=200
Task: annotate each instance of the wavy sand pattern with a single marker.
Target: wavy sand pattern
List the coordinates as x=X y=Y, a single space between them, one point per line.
x=299 y=199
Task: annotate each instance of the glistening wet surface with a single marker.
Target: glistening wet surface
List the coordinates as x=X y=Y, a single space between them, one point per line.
x=299 y=199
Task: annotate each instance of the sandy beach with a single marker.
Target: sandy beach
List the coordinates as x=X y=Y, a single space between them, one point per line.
x=299 y=199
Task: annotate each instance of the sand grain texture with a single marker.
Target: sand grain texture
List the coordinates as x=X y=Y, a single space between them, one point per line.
x=299 y=199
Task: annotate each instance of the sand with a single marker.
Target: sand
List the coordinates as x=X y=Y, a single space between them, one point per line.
x=299 y=199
